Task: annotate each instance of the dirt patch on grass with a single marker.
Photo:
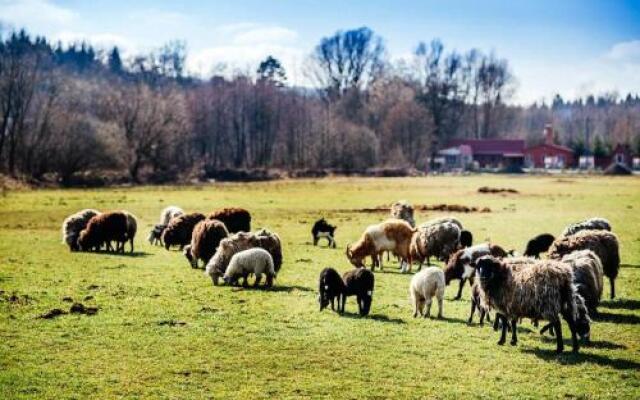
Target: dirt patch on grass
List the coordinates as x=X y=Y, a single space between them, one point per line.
x=171 y=322
x=79 y=308
x=487 y=189
x=426 y=207
x=56 y=312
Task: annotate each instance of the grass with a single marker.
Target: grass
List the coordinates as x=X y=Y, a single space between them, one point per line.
x=163 y=331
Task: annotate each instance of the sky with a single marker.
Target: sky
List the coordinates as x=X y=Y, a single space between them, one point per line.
x=570 y=47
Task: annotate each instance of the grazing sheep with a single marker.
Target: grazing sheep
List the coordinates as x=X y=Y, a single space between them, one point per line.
x=322 y=229
x=601 y=242
x=587 y=276
x=235 y=219
x=178 y=231
x=403 y=210
x=255 y=261
x=155 y=236
x=392 y=235
x=591 y=224
x=437 y=240
x=331 y=286
x=73 y=224
x=461 y=264
x=541 y=291
x=103 y=229
x=359 y=282
x=237 y=242
x=442 y=220
x=423 y=287
x=539 y=244
x=170 y=213
x=205 y=239
x=132 y=228
x=466 y=238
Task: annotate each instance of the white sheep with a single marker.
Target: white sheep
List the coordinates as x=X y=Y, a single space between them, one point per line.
x=424 y=286
x=255 y=261
x=170 y=213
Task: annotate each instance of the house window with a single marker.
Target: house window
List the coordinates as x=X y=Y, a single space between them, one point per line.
x=620 y=158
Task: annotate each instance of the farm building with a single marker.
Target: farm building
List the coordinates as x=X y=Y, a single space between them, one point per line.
x=549 y=155
x=493 y=153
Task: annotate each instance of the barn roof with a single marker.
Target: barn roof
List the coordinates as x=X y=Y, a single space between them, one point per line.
x=492 y=146
x=555 y=147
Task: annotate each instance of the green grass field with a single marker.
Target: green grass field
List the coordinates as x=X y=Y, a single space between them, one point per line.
x=163 y=331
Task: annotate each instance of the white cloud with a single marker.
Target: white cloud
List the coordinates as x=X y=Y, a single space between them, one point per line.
x=625 y=52
x=274 y=34
x=35 y=13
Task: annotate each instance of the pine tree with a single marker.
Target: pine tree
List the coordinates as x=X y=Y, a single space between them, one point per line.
x=115 y=63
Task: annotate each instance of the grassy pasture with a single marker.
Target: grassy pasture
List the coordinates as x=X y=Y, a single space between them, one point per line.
x=163 y=331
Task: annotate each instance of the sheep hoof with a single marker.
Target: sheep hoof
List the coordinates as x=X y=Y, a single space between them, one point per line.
x=501 y=342
x=513 y=342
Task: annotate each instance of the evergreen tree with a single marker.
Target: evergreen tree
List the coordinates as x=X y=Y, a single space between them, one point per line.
x=114 y=62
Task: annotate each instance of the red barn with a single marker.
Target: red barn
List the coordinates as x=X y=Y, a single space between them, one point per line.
x=494 y=153
x=549 y=154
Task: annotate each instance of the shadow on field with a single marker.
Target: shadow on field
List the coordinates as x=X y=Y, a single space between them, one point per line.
x=567 y=358
x=375 y=317
x=626 y=304
x=629 y=266
x=618 y=318
x=135 y=254
x=286 y=289
x=594 y=344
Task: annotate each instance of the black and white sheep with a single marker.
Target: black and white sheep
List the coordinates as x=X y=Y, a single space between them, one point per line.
x=205 y=239
x=539 y=244
x=256 y=261
x=359 y=282
x=74 y=224
x=425 y=285
x=591 y=224
x=322 y=229
x=602 y=242
x=435 y=240
x=543 y=290
x=461 y=265
x=330 y=287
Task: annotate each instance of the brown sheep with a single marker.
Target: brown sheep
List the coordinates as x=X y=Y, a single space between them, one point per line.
x=602 y=242
x=178 y=231
x=205 y=238
x=393 y=235
x=461 y=264
x=235 y=219
x=103 y=229
x=435 y=240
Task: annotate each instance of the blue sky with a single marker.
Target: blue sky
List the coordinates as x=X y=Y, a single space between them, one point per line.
x=566 y=46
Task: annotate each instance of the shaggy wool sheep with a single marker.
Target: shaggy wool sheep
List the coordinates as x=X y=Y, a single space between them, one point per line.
x=393 y=235
x=322 y=229
x=539 y=244
x=132 y=229
x=359 y=282
x=239 y=241
x=403 y=210
x=587 y=276
x=442 y=220
x=601 y=242
x=235 y=219
x=179 y=230
x=205 y=239
x=423 y=287
x=436 y=240
x=330 y=287
x=543 y=290
x=591 y=224
x=102 y=229
x=170 y=213
x=256 y=261
x=74 y=224
x=461 y=264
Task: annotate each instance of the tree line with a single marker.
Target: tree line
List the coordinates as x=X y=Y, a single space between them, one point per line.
x=68 y=110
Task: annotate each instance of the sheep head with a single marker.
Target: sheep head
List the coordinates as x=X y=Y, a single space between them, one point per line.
x=491 y=271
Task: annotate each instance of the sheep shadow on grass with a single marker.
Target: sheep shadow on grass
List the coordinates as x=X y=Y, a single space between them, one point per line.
x=568 y=358
x=274 y=288
x=375 y=317
x=594 y=344
x=135 y=254
x=626 y=304
x=629 y=265
x=628 y=319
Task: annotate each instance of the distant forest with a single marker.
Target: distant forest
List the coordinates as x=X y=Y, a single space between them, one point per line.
x=72 y=110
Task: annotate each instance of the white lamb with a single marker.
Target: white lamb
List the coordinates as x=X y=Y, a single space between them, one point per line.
x=424 y=285
x=255 y=261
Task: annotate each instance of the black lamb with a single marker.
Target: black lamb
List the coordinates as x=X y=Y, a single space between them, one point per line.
x=539 y=244
x=331 y=286
x=322 y=229
x=359 y=282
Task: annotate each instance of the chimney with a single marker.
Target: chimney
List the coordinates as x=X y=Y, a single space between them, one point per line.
x=548 y=134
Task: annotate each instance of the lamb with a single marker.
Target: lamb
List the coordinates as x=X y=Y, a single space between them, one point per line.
x=461 y=264
x=423 y=287
x=178 y=231
x=466 y=238
x=437 y=240
x=235 y=219
x=392 y=235
x=587 y=276
x=155 y=236
x=592 y=224
x=73 y=224
x=169 y=213
x=102 y=229
x=539 y=244
x=255 y=261
x=541 y=291
x=237 y=242
x=359 y=282
x=601 y=242
x=331 y=286
x=205 y=239
x=322 y=229
x=403 y=210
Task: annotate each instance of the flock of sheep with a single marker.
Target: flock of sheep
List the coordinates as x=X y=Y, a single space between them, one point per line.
x=568 y=284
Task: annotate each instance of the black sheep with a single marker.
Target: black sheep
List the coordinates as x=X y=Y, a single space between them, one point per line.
x=539 y=244
x=331 y=286
x=466 y=238
x=322 y=229
x=359 y=282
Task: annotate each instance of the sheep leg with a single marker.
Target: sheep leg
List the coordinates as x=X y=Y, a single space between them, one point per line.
x=487 y=313
x=473 y=310
x=559 y=343
x=344 y=300
x=613 y=288
x=572 y=327
x=333 y=242
x=315 y=240
x=459 y=295
x=332 y=303
x=482 y=315
x=514 y=332
x=427 y=311
x=258 y=279
x=131 y=243
x=440 y=299
x=547 y=327
x=503 y=336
